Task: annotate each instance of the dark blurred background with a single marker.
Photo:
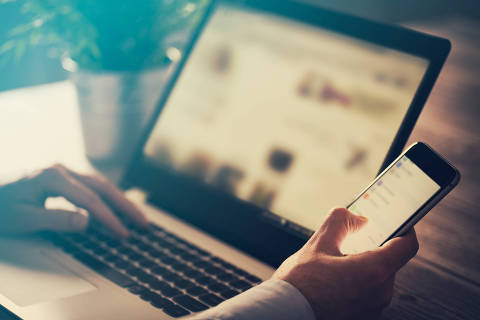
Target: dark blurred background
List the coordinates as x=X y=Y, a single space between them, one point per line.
x=40 y=64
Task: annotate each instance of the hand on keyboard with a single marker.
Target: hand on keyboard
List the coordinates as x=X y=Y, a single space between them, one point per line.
x=23 y=203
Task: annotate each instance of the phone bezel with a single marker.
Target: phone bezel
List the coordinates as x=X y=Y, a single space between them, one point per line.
x=432 y=164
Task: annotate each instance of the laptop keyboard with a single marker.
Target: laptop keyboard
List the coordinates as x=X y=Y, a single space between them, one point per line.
x=159 y=267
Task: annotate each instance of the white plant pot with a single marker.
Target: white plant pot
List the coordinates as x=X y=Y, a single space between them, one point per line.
x=114 y=109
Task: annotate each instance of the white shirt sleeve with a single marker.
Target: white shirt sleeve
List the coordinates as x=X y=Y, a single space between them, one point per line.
x=272 y=299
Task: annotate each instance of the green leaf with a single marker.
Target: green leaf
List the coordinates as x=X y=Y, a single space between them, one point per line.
x=93 y=31
x=7 y=46
x=19 y=50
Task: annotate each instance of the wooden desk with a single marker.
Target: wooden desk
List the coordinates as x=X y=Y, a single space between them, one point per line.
x=443 y=281
x=40 y=125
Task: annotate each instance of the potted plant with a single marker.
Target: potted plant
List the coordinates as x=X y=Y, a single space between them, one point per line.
x=119 y=54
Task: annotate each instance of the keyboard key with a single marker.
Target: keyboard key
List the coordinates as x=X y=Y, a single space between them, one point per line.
x=151 y=237
x=240 y=272
x=134 y=256
x=90 y=245
x=182 y=241
x=134 y=271
x=176 y=251
x=246 y=288
x=169 y=276
x=151 y=296
x=214 y=270
x=218 y=287
x=187 y=269
x=227 y=277
x=170 y=239
x=227 y=294
x=69 y=247
x=179 y=267
x=193 y=274
x=134 y=241
x=126 y=251
x=113 y=244
x=202 y=264
x=227 y=265
x=197 y=291
x=168 y=260
x=217 y=260
x=101 y=237
x=105 y=270
x=211 y=299
x=160 y=302
x=158 y=284
x=175 y=278
x=159 y=270
x=205 y=280
x=144 y=247
x=253 y=279
x=189 y=245
x=99 y=251
x=170 y=291
x=157 y=254
x=162 y=243
x=183 y=283
x=145 y=277
x=122 y=264
x=136 y=288
x=190 y=303
x=189 y=257
x=110 y=257
x=201 y=252
x=144 y=293
x=175 y=311
x=116 y=259
x=147 y=263
x=240 y=284
x=153 y=226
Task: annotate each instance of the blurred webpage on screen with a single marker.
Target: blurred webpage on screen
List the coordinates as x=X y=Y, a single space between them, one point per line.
x=293 y=118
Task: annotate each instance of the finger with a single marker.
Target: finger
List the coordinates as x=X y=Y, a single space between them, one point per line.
x=41 y=219
x=390 y=257
x=58 y=220
x=374 y=299
x=113 y=196
x=55 y=181
x=335 y=228
x=398 y=251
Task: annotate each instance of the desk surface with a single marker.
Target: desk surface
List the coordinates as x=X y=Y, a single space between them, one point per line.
x=40 y=126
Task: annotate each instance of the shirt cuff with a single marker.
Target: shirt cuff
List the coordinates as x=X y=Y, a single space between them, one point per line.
x=272 y=299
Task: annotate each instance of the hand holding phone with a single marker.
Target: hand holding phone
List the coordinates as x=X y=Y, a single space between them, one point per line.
x=400 y=196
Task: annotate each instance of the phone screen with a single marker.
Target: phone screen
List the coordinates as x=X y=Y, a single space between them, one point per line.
x=388 y=203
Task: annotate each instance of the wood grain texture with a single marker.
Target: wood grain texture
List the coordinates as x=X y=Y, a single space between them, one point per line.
x=425 y=292
x=443 y=281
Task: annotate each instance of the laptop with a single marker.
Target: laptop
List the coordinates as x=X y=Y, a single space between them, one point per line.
x=277 y=112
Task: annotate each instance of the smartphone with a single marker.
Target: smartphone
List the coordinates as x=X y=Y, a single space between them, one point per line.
x=400 y=196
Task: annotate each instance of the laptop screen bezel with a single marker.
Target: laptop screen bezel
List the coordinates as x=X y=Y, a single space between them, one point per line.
x=234 y=220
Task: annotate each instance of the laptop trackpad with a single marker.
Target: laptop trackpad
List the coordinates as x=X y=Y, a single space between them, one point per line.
x=30 y=274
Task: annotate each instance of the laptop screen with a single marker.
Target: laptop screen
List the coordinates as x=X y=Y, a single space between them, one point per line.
x=290 y=117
